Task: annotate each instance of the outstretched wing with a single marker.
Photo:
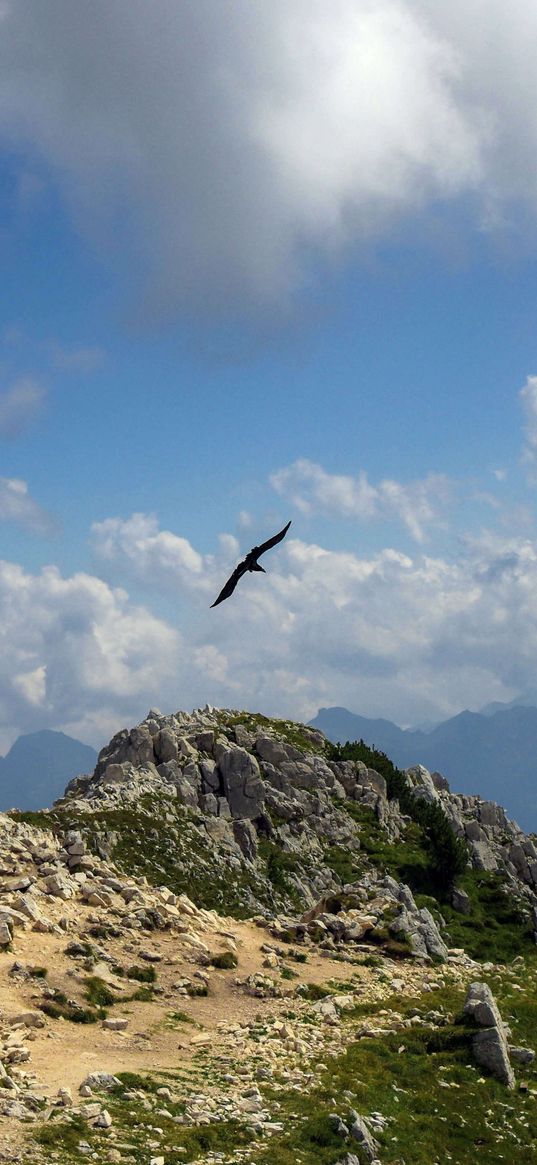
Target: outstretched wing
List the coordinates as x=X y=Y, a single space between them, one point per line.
x=232 y=581
x=273 y=541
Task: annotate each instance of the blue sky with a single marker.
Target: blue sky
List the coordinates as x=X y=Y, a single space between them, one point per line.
x=260 y=263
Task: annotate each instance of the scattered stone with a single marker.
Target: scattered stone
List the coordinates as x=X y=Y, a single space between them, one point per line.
x=104 y=1120
x=100 y=1082
x=115 y=1025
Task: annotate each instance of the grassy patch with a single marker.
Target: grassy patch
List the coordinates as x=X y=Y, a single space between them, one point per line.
x=422 y=1079
x=346 y=865
x=98 y=993
x=175 y=1017
x=142 y=974
x=288 y=730
x=288 y=973
x=313 y=991
x=278 y=867
x=63 y=1136
x=73 y=1012
x=225 y=961
x=128 y=1105
x=497 y=927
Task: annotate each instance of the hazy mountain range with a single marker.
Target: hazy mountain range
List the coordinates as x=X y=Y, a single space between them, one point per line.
x=492 y=752
x=38 y=766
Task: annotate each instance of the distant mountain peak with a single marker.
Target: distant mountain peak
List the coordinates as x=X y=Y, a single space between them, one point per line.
x=491 y=752
x=38 y=766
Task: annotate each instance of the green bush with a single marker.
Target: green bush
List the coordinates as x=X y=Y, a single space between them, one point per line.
x=225 y=961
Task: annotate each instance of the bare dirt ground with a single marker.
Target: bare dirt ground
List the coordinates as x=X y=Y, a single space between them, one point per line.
x=63 y=1053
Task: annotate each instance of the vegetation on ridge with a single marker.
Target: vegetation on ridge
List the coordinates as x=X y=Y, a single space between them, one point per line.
x=448 y=856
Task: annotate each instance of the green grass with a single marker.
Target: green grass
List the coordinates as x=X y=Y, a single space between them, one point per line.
x=63 y=1137
x=178 y=1143
x=287 y=730
x=406 y=860
x=98 y=993
x=175 y=1017
x=225 y=961
x=141 y=974
x=278 y=867
x=288 y=973
x=474 y=1118
x=313 y=991
x=496 y=928
x=57 y=1009
x=346 y=865
x=439 y=1106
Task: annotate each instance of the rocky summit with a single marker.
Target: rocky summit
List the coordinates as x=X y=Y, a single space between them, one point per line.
x=237 y=942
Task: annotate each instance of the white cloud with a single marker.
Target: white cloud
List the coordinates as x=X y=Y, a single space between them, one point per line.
x=20 y=405
x=387 y=634
x=226 y=142
x=76 y=654
x=17 y=505
x=152 y=555
x=417 y=505
x=403 y=636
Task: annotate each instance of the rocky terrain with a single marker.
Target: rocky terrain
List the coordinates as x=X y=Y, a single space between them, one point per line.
x=229 y=943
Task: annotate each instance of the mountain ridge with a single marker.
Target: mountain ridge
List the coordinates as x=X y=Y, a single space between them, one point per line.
x=494 y=755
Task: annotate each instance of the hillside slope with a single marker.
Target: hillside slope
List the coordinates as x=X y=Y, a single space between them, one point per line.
x=146 y=1025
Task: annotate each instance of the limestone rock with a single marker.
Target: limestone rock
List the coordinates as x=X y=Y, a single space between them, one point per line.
x=242 y=783
x=360 y=1132
x=489 y=1046
x=100 y=1082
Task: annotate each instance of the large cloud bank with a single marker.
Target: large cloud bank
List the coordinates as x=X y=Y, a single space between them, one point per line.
x=404 y=635
x=221 y=144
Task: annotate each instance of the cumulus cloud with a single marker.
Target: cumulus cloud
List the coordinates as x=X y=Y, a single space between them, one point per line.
x=17 y=505
x=391 y=634
x=148 y=553
x=407 y=636
x=385 y=634
x=77 y=654
x=230 y=143
x=418 y=505
x=20 y=404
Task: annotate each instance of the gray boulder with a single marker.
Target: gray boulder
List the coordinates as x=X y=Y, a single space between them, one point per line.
x=489 y=1046
x=166 y=745
x=242 y=783
x=360 y=1132
x=490 y=1051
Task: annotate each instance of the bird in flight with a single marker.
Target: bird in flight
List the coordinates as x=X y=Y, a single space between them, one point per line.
x=249 y=563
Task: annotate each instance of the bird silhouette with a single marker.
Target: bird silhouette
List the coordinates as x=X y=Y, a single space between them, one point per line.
x=249 y=563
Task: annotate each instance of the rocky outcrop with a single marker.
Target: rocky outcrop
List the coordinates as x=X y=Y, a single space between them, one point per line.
x=489 y=1045
x=245 y=784
x=372 y=909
